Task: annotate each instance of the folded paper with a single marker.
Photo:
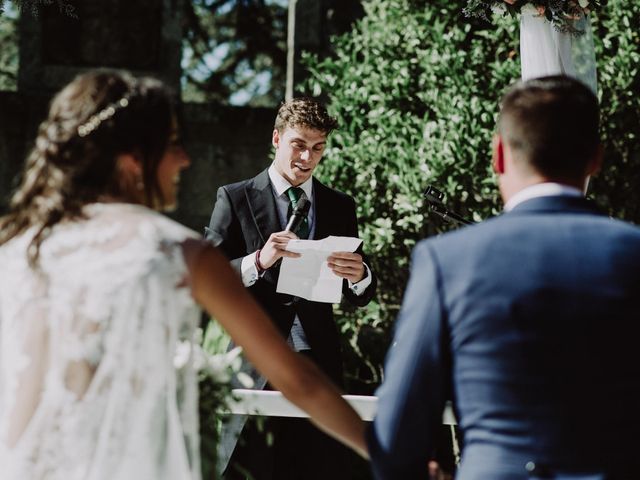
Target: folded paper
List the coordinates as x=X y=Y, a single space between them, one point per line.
x=309 y=276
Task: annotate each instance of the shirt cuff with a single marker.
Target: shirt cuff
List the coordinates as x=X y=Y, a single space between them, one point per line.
x=249 y=272
x=361 y=286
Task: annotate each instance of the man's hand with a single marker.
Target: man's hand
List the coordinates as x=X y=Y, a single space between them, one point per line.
x=347 y=265
x=275 y=248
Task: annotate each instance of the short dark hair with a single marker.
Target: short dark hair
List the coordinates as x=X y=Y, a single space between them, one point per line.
x=552 y=124
x=304 y=112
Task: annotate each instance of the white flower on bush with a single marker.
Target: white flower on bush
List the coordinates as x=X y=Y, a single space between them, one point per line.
x=220 y=366
x=182 y=355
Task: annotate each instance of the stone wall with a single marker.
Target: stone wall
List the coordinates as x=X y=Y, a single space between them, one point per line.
x=142 y=36
x=11 y=140
x=19 y=118
x=226 y=144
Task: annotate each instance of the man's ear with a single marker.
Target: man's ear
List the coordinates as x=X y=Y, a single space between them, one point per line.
x=498 y=154
x=596 y=162
x=593 y=167
x=275 y=138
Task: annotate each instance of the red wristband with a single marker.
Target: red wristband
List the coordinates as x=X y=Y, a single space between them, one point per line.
x=257 y=262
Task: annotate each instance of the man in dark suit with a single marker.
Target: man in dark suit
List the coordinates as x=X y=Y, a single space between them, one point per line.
x=248 y=225
x=529 y=320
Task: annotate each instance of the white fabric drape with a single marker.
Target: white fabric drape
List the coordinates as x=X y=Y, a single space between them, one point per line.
x=544 y=50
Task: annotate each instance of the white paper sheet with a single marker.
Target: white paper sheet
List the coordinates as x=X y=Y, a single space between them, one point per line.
x=309 y=276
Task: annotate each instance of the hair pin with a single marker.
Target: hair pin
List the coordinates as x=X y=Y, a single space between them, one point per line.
x=104 y=114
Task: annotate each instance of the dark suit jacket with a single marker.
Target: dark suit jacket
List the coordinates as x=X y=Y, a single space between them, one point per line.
x=531 y=320
x=244 y=216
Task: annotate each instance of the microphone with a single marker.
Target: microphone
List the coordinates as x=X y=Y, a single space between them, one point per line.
x=298 y=215
x=435 y=199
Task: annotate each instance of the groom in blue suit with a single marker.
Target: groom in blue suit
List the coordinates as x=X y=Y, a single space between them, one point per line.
x=528 y=322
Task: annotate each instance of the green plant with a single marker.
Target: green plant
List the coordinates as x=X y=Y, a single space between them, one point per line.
x=415 y=87
x=216 y=367
x=8 y=49
x=35 y=6
x=617 y=41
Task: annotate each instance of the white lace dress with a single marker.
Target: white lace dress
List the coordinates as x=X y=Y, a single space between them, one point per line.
x=88 y=389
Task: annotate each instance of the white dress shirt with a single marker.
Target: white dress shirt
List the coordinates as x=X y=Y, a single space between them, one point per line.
x=547 y=189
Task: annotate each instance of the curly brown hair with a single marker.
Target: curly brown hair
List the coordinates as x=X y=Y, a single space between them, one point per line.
x=304 y=112
x=70 y=167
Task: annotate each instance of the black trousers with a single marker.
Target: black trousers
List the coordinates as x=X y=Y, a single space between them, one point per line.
x=278 y=448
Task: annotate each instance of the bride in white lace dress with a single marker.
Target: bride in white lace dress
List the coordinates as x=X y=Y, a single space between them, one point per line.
x=96 y=289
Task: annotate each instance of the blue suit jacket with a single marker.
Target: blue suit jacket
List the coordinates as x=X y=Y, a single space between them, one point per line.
x=529 y=322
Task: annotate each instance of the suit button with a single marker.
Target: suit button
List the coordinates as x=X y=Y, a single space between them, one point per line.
x=540 y=471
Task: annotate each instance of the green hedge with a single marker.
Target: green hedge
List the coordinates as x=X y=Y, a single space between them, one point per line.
x=617 y=39
x=415 y=87
x=8 y=48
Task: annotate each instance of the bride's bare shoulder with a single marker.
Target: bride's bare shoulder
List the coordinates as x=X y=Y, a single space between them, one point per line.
x=198 y=252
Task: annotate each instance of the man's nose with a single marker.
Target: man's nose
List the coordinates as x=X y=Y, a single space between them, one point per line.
x=305 y=155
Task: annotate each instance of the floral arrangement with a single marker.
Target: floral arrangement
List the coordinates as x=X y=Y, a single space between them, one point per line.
x=216 y=372
x=562 y=13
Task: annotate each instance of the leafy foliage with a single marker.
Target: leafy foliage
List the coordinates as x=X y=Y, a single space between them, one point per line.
x=234 y=51
x=34 y=6
x=215 y=392
x=617 y=41
x=233 y=46
x=416 y=87
x=8 y=50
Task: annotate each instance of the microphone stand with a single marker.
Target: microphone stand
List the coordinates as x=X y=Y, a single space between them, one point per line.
x=435 y=199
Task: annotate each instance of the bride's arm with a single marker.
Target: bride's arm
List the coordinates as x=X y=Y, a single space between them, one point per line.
x=217 y=288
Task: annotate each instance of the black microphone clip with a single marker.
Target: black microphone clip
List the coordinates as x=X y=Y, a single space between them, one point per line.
x=435 y=199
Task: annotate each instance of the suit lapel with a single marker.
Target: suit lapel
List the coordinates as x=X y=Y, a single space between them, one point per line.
x=262 y=205
x=324 y=216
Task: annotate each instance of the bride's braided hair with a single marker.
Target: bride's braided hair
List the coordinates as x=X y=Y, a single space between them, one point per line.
x=98 y=116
